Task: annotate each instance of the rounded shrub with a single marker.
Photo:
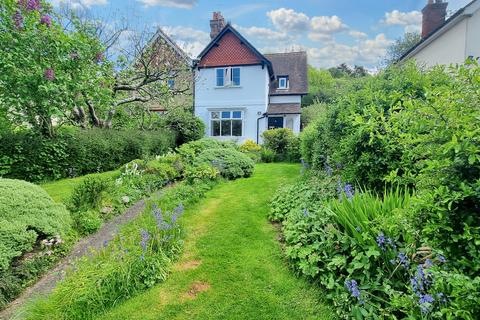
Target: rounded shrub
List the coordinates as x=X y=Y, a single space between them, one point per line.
x=27 y=215
x=231 y=163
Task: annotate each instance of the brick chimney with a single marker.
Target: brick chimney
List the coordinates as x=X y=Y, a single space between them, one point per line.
x=434 y=15
x=216 y=24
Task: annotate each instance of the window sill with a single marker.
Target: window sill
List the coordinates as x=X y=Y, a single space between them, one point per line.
x=228 y=87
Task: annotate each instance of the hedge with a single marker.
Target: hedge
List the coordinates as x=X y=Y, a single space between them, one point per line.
x=30 y=157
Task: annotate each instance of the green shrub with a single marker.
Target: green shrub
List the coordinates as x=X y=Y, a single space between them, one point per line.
x=201 y=172
x=24 y=155
x=230 y=163
x=267 y=155
x=88 y=221
x=88 y=194
x=27 y=215
x=189 y=151
x=250 y=146
x=187 y=126
x=284 y=142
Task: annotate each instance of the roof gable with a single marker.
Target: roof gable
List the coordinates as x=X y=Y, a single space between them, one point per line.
x=160 y=34
x=228 y=48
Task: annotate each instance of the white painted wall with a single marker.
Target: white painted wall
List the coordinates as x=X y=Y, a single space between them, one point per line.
x=473 y=35
x=251 y=97
x=456 y=44
x=286 y=99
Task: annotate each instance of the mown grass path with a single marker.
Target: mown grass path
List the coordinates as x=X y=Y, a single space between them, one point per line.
x=232 y=267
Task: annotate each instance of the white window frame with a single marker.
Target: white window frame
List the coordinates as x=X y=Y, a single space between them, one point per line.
x=285 y=79
x=231 y=118
x=228 y=77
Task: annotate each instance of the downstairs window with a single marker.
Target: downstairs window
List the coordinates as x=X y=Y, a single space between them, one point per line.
x=226 y=123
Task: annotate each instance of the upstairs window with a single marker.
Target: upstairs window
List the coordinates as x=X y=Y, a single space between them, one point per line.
x=228 y=77
x=226 y=123
x=283 y=83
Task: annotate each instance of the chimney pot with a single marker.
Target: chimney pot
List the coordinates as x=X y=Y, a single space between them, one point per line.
x=216 y=24
x=434 y=15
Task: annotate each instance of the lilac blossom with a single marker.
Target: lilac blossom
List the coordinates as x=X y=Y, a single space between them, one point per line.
x=18 y=19
x=46 y=20
x=33 y=5
x=49 y=74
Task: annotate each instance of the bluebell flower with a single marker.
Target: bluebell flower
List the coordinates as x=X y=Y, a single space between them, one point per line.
x=349 y=191
x=391 y=243
x=328 y=170
x=157 y=214
x=403 y=259
x=358 y=229
x=105 y=243
x=441 y=297
x=428 y=263
x=381 y=241
x=441 y=258
x=179 y=209
x=425 y=302
x=145 y=238
x=352 y=287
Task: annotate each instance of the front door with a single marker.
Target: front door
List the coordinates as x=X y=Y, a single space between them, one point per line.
x=275 y=122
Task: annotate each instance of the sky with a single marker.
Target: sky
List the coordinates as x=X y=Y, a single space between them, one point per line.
x=356 y=32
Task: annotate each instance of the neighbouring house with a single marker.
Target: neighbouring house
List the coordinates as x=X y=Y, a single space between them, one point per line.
x=447 y=41
x=169 y=58
x=240 y=92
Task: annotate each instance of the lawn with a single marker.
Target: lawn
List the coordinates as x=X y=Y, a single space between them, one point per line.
x=232 y=266
x=61 y=190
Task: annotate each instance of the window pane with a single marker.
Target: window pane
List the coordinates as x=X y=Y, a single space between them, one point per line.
x=215 y=115
x=215 y=128
x=171 y=83
x=236 y=76
x=226 y=128
x=237 y=115
x=226 y=115
x=237 y=128
x=220 y=81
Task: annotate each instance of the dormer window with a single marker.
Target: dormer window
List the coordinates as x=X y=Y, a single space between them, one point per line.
x=283 y=82
x=228 y=77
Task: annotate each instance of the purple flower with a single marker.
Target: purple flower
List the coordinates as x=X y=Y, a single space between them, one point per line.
x=381 y=241
x=391 y=243
x=358 y=229
x=33 y=5
x=18 y=19
x=157 y=214
x=425 y=302
x=403 y=259
x=179 y=209
x=352 y=287
x=49 y=74
x=46 y=20
x=441 y=258
x=105 y=243
x=349 y=191
x=145 y=237
x=428 y=264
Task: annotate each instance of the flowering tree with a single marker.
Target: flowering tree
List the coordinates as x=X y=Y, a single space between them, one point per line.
x=47 y=69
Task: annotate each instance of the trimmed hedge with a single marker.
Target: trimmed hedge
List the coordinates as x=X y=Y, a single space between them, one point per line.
x=31 y=157
x=27 y=214
x=231 y=164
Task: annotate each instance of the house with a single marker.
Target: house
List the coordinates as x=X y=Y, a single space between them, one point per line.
x=447 y=41
x=170 y=59
x=240 y=92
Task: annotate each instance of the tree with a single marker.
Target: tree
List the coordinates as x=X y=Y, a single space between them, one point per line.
x=401 y=46
x=45 y=69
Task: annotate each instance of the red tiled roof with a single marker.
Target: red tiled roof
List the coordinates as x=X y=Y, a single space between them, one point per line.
x=229 y=51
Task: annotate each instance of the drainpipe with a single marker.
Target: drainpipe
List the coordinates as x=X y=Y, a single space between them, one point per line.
x=258 y=124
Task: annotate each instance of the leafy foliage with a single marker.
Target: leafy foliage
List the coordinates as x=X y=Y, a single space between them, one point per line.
x=231 y=163
x=284 y=143
x=25 y=155
x=187 y=126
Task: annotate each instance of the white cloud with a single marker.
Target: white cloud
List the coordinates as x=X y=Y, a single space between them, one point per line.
x=327 y=25
x=367 y=52
x=264 y=34
x=182 y=4
x=288 y=20
x=410 y=20
x=79 y=4
x=192 y=41
x=358 y=34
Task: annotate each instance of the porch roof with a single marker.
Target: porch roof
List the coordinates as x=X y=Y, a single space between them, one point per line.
x=284 y=108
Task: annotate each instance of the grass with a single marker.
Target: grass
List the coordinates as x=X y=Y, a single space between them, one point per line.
x=61 y=190
x=232 y=266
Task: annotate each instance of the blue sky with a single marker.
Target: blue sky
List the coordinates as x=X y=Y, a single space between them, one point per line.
x=331 y=31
